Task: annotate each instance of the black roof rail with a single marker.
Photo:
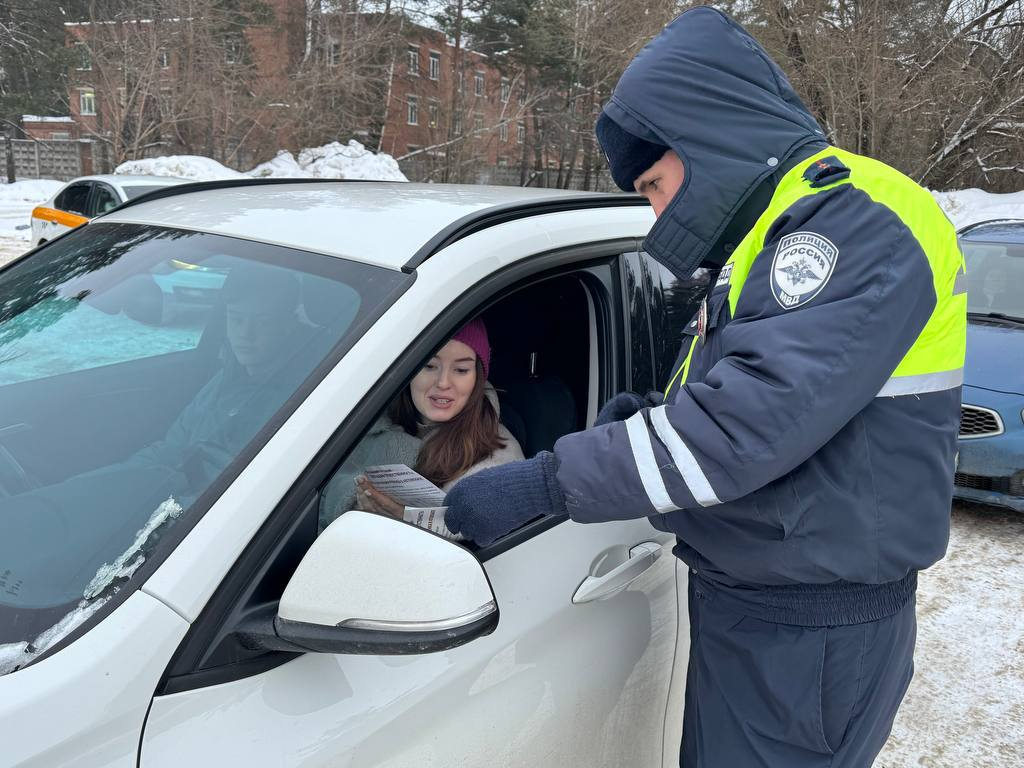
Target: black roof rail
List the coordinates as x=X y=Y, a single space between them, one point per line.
x=173 y=190
x=500 y=214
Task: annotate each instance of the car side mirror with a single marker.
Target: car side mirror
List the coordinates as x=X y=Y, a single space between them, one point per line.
x=371 y=584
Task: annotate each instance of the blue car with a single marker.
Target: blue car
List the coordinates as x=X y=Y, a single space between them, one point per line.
x=991 y=464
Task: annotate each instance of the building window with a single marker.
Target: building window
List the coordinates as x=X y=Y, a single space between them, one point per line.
x=462 y=81
x=122 y=97
x=163 y=59
x=87 y=102
x=457 y=124
x=414 y=110
x=83 y=57
x=503 y=132
x=232 y=50
x=520 y=132
x=478 y=122
x=333 y=53
x=414 y=60
x=506 y=90
x=435 y=66
x=522 y=96
x=434 y=113
x=410 y=148
x=478 y=84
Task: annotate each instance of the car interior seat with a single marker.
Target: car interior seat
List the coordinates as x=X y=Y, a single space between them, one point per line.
x=539 y=342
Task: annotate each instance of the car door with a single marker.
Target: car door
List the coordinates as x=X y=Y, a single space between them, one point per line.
x=570 y=677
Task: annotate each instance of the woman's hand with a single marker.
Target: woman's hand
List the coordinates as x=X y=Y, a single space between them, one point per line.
x=372 y=500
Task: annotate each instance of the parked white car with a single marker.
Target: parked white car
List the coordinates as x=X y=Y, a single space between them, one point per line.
x=166 y=595
x=86 y=197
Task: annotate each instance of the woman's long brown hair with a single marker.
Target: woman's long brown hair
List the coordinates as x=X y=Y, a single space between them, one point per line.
x=455 y=445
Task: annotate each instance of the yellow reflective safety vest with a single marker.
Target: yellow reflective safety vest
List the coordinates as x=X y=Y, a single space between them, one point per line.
x=809 y=430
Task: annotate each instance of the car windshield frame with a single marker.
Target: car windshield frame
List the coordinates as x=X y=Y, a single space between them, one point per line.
x=391 y=284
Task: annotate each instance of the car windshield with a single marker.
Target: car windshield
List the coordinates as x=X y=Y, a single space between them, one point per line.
x=140 y=369
x=134 y=191
x=995 y=278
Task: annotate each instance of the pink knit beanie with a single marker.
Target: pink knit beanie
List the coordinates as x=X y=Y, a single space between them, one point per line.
x=474 y=335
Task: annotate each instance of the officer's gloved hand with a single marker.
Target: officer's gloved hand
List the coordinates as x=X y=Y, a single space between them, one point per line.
x=493 y=502
x=625 y=404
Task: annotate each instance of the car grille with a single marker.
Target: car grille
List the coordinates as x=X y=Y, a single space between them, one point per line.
x=1012 y=486
x=982 y=483
x=979 y=422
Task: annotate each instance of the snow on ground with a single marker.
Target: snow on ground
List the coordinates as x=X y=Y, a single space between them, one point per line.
x=180 y=166
x=965 y=706
x=17 y=201
x=331 y=161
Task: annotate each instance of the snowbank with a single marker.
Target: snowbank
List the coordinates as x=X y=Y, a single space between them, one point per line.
x=332 y=161
x=192 y=167
x=969 y=206
x=17 y=201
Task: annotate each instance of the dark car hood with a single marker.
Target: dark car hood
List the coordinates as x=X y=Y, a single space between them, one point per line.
x=995 y=358
x=708 y=90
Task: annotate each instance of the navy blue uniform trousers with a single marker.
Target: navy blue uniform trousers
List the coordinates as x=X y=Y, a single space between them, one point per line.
x=766 y=695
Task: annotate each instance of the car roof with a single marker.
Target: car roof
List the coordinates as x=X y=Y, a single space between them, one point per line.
x=385 y=223
x=995 y=231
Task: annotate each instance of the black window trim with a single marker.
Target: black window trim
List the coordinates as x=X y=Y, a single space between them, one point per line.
x=298 y=503
x=94 y=195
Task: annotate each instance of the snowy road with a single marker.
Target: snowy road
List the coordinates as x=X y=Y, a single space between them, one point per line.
x=10 y=247
x=965 y=706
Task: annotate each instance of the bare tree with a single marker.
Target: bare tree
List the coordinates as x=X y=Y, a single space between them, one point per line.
x=173 y=75
x=933 y=87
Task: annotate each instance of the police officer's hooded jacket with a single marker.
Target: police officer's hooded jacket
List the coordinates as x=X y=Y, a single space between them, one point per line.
x=808 y=436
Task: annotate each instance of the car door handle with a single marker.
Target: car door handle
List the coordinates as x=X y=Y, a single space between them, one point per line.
x=641 y=557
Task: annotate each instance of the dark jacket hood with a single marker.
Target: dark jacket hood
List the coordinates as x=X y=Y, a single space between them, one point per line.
x=708 y=90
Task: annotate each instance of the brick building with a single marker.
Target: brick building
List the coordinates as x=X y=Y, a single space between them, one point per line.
x=432 y=102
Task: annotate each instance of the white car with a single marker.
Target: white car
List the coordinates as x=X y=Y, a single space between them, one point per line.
x=86 y=197
x=166 y=595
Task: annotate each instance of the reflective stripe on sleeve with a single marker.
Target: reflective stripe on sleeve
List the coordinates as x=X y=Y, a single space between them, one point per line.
x=922 y=383
x=683 y=457
x=647 y=464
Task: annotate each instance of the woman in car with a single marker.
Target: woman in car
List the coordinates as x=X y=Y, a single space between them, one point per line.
x=445 y=425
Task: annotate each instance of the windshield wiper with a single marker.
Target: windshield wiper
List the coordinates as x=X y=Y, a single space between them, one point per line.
x=997 y=316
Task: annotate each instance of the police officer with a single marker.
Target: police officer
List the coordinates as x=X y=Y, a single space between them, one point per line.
x=804 y=451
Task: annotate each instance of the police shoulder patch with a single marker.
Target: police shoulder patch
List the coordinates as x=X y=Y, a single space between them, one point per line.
x=803 y=264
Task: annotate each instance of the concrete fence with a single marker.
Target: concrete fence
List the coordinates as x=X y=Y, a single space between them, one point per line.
x=62 y=160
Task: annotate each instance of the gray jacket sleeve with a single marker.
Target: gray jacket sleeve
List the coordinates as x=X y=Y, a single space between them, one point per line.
x=786 y=379
x=384 y=444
